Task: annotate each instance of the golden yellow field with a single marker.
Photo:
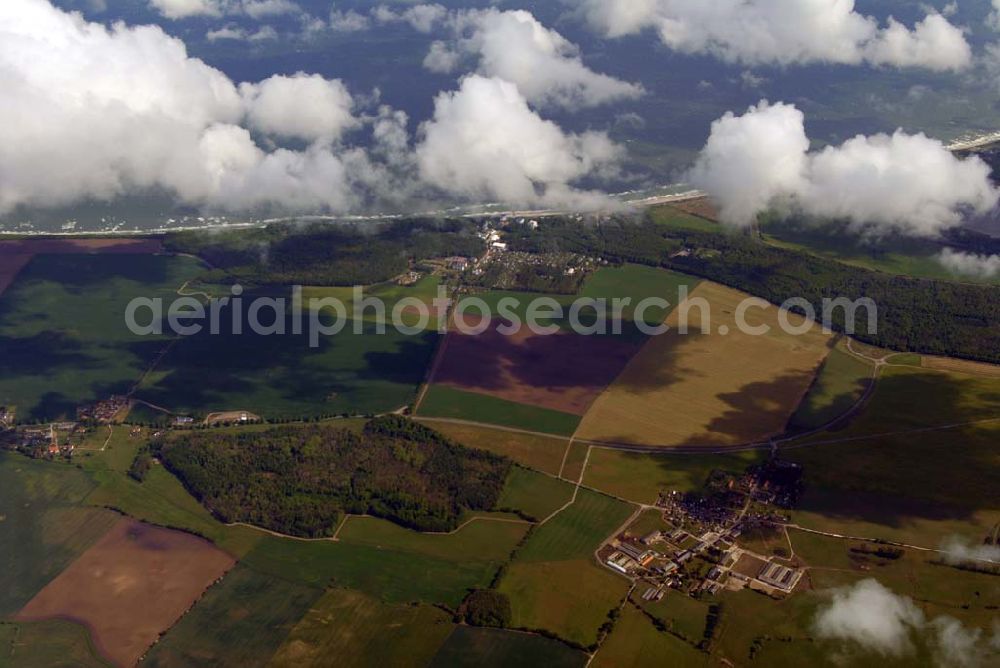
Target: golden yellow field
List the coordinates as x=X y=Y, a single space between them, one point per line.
x=707 y=388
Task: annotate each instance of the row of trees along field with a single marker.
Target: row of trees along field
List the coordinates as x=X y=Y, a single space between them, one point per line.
x=924 y=316
x=300 y=480
x=324 y=253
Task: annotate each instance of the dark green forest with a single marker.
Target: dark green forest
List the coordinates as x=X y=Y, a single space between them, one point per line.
x=918 y=315
x=301 y=480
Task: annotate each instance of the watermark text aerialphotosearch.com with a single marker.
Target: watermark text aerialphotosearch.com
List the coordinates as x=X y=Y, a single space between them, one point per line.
x=319 y=317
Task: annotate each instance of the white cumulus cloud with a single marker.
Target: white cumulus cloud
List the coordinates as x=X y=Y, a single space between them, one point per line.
x=302 y=106
x=422 y=18
x=870 y=617
x=484 y=142
x=907 y=183
x=257 y=9
x=93 y=112
x=785 y=32
x=516 y=47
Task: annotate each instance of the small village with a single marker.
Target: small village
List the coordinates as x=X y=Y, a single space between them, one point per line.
x=697 y=550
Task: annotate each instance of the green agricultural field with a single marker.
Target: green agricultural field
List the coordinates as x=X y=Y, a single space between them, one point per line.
x=406 y=569
x=639 y=282
x=554 y=584
x=482 y=539
x=748 y=616
x=358 y=631
x=641 y=477
x=542 y=453
x=43 y=528
x=635 y=642
x=390 y=294
x=441 y=401
x=680 y=614
x=900 y=484
x=571 y=599
x=282 y=376
x=534 y=494
x=578 y=530
x=49 y=644
x=841 y=382
x=241 y=621
x=495 y=648
x=63 y=331
x=648 y=521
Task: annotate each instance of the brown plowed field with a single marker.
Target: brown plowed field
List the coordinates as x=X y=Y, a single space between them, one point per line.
x=564 y=372
x=131 y=586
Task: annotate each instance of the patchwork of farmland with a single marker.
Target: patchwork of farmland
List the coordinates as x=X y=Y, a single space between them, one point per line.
x=109 y=587
x=709 y=388
x=563 y=371
x=543 y=581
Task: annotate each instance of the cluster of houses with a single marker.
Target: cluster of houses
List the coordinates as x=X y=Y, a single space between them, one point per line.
x=107 y=410
x=700 y=552
x=51 y=440
x=708 y=563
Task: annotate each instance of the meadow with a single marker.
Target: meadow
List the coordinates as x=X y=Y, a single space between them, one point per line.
x=707 y=388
